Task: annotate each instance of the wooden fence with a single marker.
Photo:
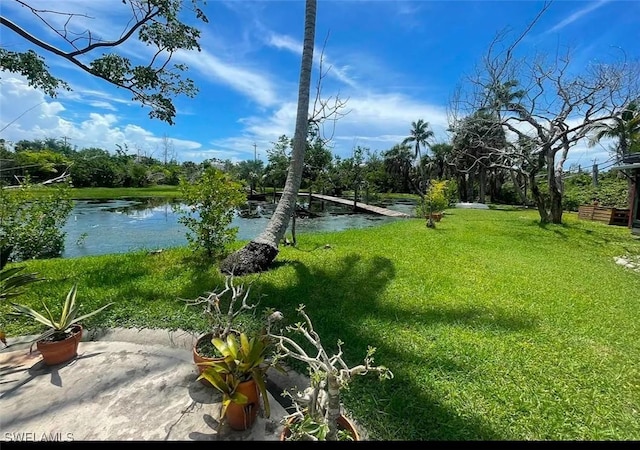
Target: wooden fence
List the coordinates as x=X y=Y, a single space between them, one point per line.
x=610 y=216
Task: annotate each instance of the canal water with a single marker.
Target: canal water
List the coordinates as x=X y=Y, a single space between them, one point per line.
x=121 y=226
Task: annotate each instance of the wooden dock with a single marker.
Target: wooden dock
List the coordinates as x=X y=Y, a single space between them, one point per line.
x=360 y=206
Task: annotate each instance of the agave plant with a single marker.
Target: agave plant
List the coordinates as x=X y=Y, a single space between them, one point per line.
x=11 y=280
x=58 y=328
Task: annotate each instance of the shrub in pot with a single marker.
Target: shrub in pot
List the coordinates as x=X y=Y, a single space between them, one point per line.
x=59 y=343
x=318 y=411
x=223 y=322
x=435 y=201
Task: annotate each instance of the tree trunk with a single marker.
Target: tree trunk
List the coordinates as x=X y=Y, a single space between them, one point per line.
x=482 y=182
x=333 y=407
x=555 y=187
x=517 y=188
x=556 y=204
x=539 y=199
x=294 y=240
x=462 y=188
x=258 y=254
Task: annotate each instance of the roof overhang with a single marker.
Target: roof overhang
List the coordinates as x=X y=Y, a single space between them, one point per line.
x=626 y=166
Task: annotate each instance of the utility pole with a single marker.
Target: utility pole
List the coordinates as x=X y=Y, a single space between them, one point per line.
x=594 y=173
x=255 y=154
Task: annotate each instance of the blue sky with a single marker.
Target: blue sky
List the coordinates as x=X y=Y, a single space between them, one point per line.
x=393 y=61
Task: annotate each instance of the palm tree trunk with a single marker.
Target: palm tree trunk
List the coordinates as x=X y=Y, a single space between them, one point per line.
x=258 y=254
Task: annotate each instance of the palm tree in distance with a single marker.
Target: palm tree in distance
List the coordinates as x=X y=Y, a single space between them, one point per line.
x=625 y=128
x=397 y=163
x=420 y=135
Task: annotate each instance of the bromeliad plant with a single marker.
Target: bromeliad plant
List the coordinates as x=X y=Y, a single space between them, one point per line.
x=60 y=328
x=243 y=360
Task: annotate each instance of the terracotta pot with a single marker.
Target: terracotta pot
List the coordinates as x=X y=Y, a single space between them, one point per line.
x=198 y=358
x=58 y=352
x=343 y=424
x=242 y=417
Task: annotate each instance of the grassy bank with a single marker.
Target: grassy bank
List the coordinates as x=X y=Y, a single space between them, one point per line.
x=496 y=328
x=112 y=193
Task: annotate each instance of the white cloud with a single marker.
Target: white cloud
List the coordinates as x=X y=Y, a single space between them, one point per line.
x=341 y=73
x=250 y=83
x=83 y=95
x=576 y=15
x=102 y=104
x=377 y=121
x=44 y=120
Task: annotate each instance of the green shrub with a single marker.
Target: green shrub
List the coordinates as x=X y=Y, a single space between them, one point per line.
x=31 y=223
x=211 y=204
x=611 y=191
x=436 y=199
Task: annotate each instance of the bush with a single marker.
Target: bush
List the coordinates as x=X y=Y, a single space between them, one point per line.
x=211 y=205
x=31 y=224
x=436 y=199
x=611 y=192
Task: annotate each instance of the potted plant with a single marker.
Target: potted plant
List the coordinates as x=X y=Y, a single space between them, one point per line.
x=318 y=411
x=59 y=343
x=240 y=376
x=222 y=323
x=434 y=203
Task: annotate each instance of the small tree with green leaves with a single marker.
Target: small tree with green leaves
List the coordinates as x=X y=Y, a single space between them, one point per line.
x=31 y=222
x=211 y=203
x=165 y=26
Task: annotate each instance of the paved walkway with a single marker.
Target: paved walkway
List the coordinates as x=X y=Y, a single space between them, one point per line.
x=125 y=384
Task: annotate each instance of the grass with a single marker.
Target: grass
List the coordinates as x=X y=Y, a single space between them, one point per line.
x=495 y=327
x=111 y=193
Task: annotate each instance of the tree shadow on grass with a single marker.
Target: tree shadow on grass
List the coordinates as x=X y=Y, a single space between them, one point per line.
x=340 y=296
x=585 y=233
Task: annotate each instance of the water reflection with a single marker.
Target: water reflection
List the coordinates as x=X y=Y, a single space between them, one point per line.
x=119 y=226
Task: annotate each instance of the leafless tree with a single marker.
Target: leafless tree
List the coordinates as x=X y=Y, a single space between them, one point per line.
x=545 y=106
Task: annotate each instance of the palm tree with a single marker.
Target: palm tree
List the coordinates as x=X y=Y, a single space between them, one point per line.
x=420 y=135
x=259 y=253
x=625 y=128
x=441 y=154
x=397 y=163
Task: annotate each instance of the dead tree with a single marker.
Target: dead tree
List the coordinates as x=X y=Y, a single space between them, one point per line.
x=545 y=103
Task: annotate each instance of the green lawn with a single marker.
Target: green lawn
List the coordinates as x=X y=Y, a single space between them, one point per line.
x=496 y=328
x=110 y=193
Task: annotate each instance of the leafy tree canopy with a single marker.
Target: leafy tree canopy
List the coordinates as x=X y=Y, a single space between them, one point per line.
x=156 y=23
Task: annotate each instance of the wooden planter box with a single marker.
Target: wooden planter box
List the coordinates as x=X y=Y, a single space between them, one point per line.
x=610 y=216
